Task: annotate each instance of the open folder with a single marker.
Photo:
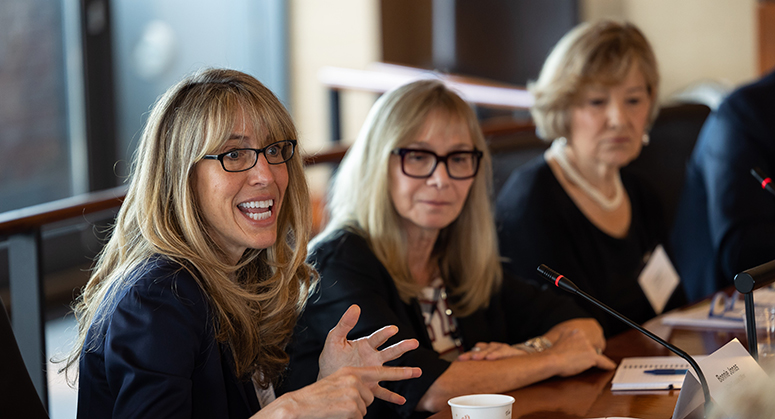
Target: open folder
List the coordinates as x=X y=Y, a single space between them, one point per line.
x=650 y=373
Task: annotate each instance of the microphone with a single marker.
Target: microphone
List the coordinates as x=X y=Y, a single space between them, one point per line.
x=764 y=180
x=566 y=284
x=745 y=283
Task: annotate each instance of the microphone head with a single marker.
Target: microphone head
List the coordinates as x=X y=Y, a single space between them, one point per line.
x=558 y=280
x=548 y=273
x=758 y=174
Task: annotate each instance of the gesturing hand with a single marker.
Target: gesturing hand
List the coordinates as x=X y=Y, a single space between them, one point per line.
x=339 y=352
x=342 y=395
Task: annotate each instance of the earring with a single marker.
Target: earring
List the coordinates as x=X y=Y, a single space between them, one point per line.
x=646 y=139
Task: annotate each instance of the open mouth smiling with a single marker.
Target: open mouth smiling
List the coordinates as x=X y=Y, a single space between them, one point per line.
x=257 y=210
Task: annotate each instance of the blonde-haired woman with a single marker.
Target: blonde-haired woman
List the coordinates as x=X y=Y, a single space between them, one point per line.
x=197 y=291
x=571 y=208
x=412 y=241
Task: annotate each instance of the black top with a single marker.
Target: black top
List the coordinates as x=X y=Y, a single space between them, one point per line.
x=725 y=223
x=352 y=274
x=538 y=223
x=156 y=355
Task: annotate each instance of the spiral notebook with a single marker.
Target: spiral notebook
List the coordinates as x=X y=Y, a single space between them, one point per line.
x=631 y=373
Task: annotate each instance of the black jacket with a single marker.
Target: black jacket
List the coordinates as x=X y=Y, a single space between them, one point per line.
x=352 y=274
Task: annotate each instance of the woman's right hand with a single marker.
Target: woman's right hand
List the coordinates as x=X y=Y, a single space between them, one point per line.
x=343 y=394
x=339 y=352
x=575 y=353
x=588 y=326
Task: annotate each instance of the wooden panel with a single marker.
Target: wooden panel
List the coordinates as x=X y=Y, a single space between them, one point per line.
x=508 y=40
x=406 y=32
x=766 y=16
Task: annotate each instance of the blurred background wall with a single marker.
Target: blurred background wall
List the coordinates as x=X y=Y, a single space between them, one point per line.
x=695 y=41
x=147 y=45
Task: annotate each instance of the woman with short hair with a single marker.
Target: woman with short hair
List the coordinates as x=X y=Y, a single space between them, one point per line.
x=572 y=208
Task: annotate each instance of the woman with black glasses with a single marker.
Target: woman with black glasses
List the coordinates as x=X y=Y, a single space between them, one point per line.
x=194 y=297
x=411 y=239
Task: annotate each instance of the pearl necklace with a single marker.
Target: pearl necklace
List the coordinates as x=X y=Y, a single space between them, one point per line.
x=557 y=153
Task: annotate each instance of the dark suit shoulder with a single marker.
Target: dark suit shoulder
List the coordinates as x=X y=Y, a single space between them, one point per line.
x=164 y=281
x=749 y=109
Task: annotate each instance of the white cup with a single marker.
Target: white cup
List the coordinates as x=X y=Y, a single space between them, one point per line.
x=481 y=406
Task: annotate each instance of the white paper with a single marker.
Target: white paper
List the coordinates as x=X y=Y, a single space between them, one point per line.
x=630 y=374
x=724 y=370
x=729 y=366
x=690 y=397
x=658 y=279
x=699 y=315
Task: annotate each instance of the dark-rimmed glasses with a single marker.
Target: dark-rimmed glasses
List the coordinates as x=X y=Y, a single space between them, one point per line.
x=422 y=163
x=241 y=159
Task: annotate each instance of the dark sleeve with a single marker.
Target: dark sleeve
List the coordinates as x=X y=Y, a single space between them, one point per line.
x=151 y=346
x=351 y=274
x=741 y=215
x=532 y=227
x=539 y=224
x=531 y=311
x=520 y=310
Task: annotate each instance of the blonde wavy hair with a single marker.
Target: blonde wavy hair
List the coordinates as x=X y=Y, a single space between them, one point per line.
x=600 y=53
x=256 y=302
x=360 y=197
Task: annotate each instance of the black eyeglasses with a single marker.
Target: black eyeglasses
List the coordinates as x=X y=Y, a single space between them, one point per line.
x=421 y=163
x=241 y=159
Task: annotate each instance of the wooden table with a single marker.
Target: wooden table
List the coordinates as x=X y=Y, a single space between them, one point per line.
x=589 y=395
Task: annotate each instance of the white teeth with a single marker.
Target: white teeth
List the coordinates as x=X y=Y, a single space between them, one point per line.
x=258 y=216
x=257 y=204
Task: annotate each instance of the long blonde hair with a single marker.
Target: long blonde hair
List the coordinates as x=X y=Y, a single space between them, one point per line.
x=360 y=197
x=255 y=313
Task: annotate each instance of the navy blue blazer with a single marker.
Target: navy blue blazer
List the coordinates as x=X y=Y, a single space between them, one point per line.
x=156 y=356
x=725 y=223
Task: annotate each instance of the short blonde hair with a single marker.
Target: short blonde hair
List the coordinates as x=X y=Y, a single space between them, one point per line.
x=255 y=313
x=591 y=53
x=360 y=198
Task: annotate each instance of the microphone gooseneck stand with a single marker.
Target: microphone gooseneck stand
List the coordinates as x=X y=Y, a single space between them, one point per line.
x=566 y=284
x=751 y=279
x=745 y=283
x=764 y=181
